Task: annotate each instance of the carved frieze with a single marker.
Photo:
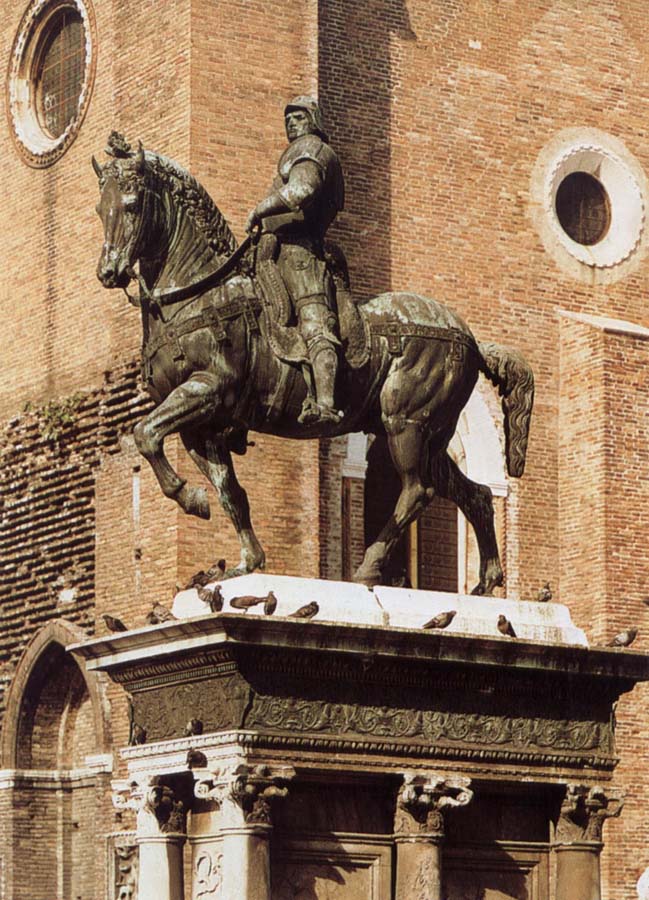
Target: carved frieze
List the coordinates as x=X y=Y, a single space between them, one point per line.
x=436 y=727
x=219 y=704
x=584 y=811
x=424 y=799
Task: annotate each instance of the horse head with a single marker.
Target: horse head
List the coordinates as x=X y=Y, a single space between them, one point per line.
x=127 y=208
x=155 y=212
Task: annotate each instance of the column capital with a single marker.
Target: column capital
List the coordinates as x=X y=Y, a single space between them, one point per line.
x=161 y=802
x=244 y=793
x=256 y=788
x=423 y=800
x=584 y=811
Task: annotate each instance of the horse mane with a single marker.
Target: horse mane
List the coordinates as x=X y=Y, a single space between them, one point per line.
x=199 y=205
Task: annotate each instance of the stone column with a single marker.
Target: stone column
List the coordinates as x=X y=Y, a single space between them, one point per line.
x=578 y=840
x=245 y=797
x=419 y=826
x=161 y=804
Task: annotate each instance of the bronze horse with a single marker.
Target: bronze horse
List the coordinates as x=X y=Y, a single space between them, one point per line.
x=213 y=376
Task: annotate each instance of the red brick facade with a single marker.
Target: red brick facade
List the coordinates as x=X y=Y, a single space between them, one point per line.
x=440 y=112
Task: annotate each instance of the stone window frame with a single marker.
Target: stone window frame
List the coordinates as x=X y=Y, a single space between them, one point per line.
x=34 y=145
x=609 y=161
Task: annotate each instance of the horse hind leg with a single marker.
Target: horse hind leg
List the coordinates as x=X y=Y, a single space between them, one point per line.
x=214 y=460
x=190 y=402
x=475 y=501
x=406 y=448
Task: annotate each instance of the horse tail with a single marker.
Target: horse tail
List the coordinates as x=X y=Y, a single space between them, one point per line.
x=510 y=373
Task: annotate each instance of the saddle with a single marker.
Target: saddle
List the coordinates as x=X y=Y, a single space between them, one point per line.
x=284 y=338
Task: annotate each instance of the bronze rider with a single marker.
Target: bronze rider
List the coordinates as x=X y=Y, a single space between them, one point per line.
x=305 y=197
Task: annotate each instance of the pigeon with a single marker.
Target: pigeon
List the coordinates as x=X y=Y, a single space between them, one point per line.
x=443 y=620
x=245 y=603
x=270 y=604
x=624 y=638
x=196 y=759
x=158 y=614
x=202 y=578
x=306 y=612
x=194 y=726
x=213 y=598
x=545 y=594
x=505 y=627
x=113 y=623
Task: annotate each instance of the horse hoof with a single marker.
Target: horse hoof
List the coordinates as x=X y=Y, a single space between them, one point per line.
x=194 y=501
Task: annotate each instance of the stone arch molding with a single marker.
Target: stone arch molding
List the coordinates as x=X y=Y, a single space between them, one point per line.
x=62 y=633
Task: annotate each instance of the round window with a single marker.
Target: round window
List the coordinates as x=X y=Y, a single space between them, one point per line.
x=583 y=208
x=50 y=77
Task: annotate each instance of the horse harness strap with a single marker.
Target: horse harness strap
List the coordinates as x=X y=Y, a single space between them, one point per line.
x=212 y=317
x=396 y=331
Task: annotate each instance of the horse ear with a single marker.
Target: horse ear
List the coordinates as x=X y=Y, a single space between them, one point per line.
x=139 y=157
x=96 y=167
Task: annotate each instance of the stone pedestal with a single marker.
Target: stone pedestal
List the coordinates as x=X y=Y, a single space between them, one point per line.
x=386 y=725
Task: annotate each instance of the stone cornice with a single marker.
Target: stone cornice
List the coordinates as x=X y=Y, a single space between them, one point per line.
x=141 y=647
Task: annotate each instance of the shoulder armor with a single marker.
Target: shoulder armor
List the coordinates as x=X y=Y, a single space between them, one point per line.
x=309 y=146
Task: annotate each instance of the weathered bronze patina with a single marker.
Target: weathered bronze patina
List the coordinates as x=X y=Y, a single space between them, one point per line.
x=229 y=347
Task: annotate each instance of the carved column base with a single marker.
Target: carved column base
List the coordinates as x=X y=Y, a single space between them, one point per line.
x=578 y=874
x=246 y=863
x=161 y=867
x=419 y=868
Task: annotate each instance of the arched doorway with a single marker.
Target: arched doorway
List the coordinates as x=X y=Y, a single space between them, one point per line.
x=54 y=744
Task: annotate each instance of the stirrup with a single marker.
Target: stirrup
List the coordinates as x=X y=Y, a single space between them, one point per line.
x=313 y=412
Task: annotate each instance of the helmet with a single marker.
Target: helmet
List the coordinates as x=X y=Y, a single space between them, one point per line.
x=311 y=107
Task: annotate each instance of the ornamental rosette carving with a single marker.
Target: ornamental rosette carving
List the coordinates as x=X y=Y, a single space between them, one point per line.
x=584 y=811
x=424 y=799
x=256 y=788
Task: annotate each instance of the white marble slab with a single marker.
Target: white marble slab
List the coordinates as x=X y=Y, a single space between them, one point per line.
x=341 y=601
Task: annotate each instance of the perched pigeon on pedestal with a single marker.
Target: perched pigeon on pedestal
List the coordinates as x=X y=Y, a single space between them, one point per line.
x=306 y=612
x=113 y=623
x=159 y=614
x=443 y=620
x=505 y=627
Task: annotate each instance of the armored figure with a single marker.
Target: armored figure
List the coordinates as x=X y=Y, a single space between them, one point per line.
x=306 y=195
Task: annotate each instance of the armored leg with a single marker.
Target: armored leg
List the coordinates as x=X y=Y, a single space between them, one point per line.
x=317 y=323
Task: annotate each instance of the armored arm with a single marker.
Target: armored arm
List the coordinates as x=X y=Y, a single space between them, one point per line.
x=304 y=182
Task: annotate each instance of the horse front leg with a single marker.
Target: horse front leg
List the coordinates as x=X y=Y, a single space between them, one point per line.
x=214 y=459
x=191 y=402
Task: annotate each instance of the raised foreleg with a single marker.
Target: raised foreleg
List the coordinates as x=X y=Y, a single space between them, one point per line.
x=190 y=403
x=215 y=461
x=475 y=501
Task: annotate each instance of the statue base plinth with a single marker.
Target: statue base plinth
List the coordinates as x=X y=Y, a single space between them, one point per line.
x=340 y=601
x=225 y=705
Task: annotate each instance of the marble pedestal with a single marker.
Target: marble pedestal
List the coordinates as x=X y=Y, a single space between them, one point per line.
x=339 y=756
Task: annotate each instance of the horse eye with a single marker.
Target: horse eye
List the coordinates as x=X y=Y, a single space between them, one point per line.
x=130 y=202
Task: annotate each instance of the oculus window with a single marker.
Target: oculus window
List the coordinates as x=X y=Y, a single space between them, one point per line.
x=50 y=78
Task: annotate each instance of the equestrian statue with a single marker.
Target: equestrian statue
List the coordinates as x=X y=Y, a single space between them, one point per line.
x=266 y=336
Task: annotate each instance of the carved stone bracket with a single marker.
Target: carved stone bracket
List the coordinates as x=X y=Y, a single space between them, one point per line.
x=255 y=789
x=584 y=811
x=423 y=801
